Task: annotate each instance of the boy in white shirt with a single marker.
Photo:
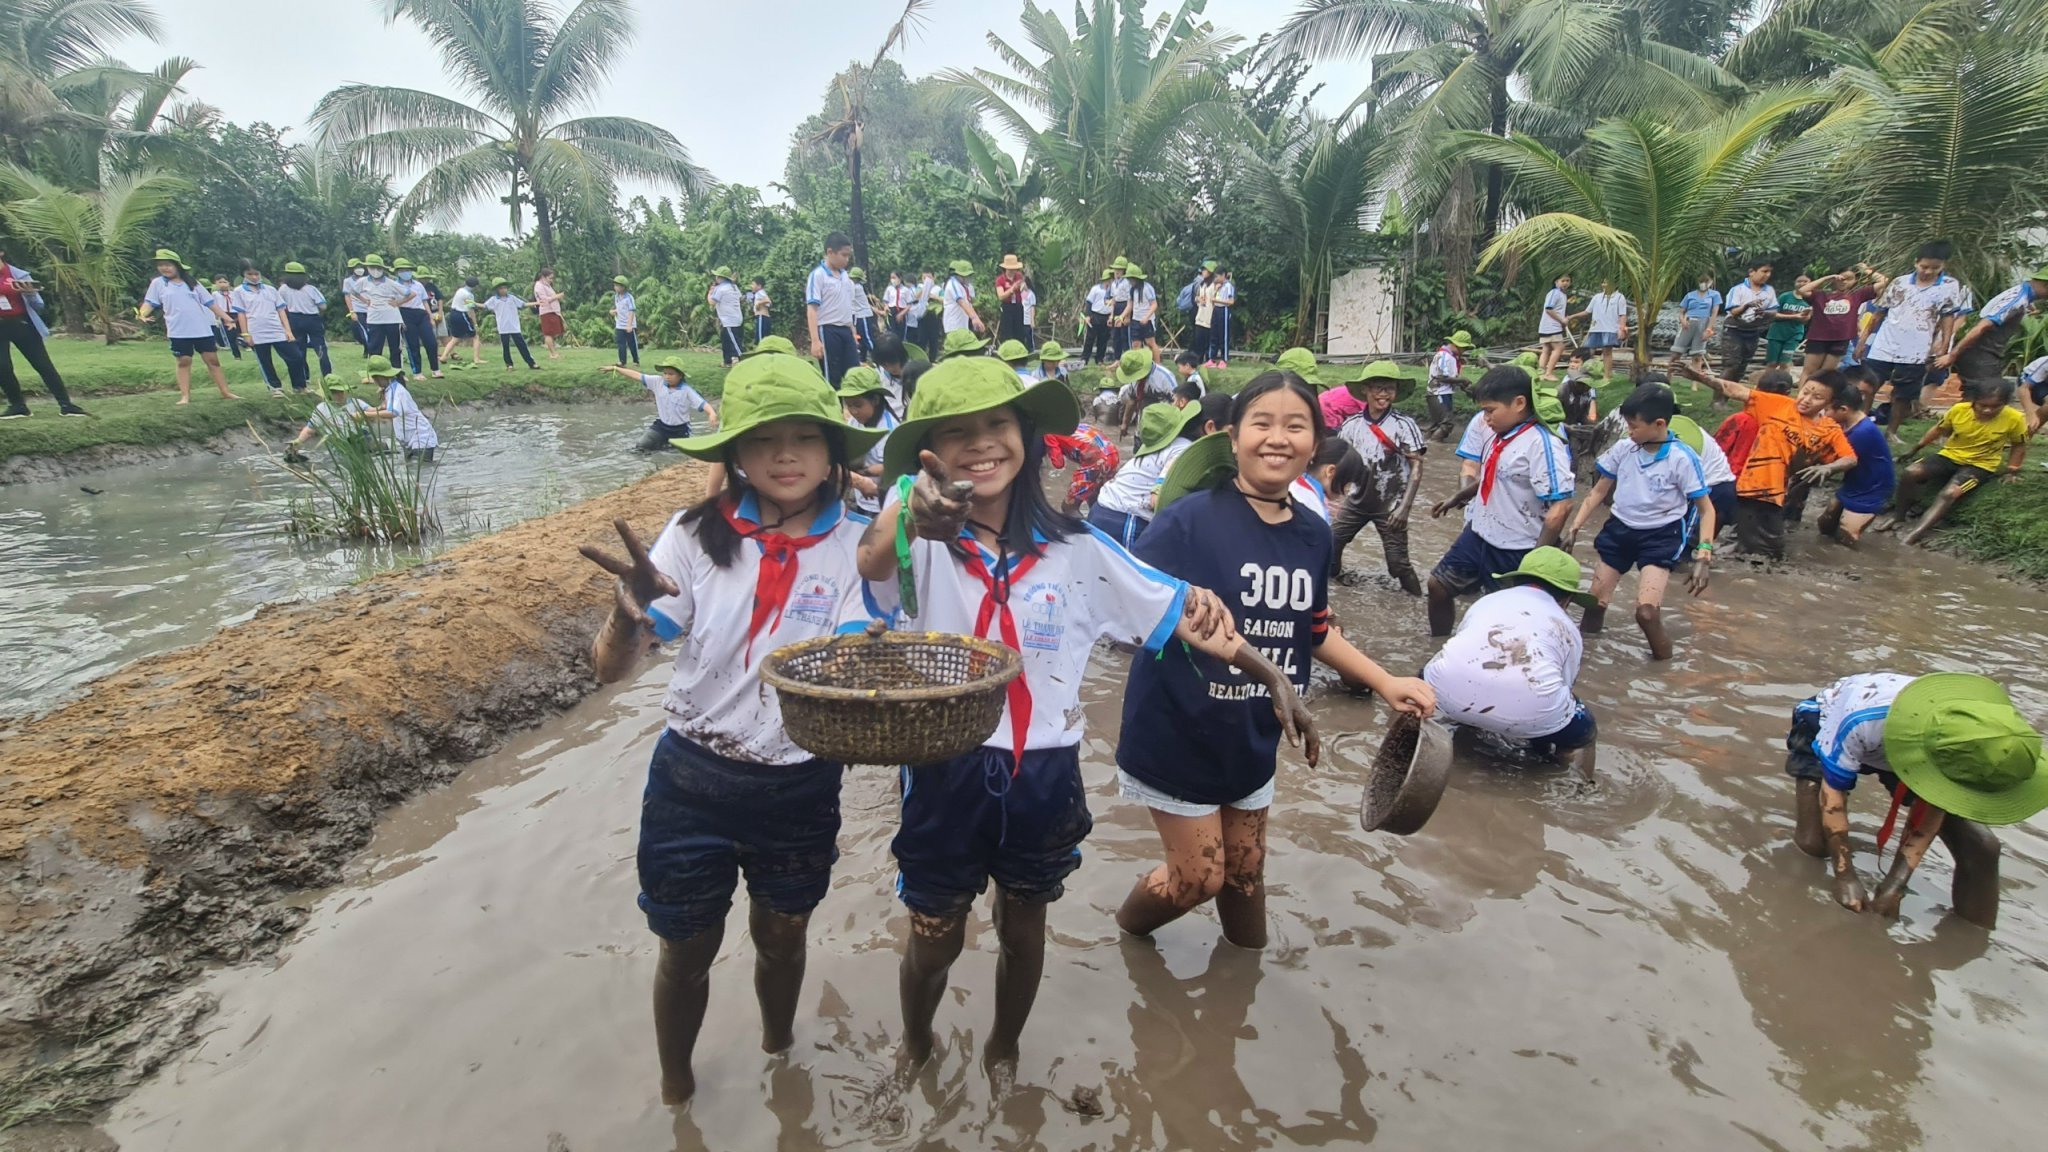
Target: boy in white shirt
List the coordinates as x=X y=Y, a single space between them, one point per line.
x=260 y=316
x=763 y=309
x=724 y=298
x=1916 y=317
x=1661 y=507
x=1095 y=345
x=674 y=400
x=505 y=308
x=625 y=322
x=1607 y=312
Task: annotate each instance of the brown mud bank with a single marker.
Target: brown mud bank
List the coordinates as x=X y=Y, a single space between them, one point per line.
x=162 y=823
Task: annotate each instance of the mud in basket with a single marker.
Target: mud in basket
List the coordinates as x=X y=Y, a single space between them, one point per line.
x=1407 y=778
x=880 y=697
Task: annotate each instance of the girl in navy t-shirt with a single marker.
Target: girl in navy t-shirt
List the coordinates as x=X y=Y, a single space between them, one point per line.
x=1200 y=739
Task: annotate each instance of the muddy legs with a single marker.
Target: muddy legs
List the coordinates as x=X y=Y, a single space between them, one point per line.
x=935 y=943
x=1241 y=904
x=1443 y=608
x=1220 y=857
x=1974 y=892
x=1806 y=829
x=1020 y=964
x=778 y=971
x=682 y=983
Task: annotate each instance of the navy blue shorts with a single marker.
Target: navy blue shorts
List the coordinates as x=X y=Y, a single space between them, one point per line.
x=1472 y=563
x=183 y=346
x=970 y=819
x=706 y=819
x=1723 y=497
x=460 y=327
x=2037 y=390
x=1123 y=529
x=1906 y=379
x=1581 y=732
x=1623 y=548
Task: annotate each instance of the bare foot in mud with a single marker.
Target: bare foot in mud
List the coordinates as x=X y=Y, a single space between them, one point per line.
x=1886 y=902
x=1082 y=1101
x=1001 y=1068
x=679 y=1089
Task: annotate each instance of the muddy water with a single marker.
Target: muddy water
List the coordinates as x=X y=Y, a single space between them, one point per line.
x=170 y=551
x=1649 y=964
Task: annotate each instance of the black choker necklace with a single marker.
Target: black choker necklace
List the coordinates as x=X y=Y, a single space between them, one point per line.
x=1281 y=500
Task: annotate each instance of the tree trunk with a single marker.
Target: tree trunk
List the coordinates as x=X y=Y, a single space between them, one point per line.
x=544 y=225
x=858 y=220
x=1496 y=179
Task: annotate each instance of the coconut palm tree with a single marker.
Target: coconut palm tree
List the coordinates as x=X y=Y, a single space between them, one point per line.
x=1650 y=203
x=1123 y=103
x=525 y=68
x=846 y=131
x=1314 y=183
x=44 y=41
x=94 y=241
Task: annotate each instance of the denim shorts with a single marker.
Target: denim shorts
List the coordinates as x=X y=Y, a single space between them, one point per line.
x=1595 y=341
x=706 y=819
x=1132 y=788
x=971 y=819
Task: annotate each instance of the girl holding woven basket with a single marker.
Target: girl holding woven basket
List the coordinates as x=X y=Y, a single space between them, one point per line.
x=969 y=544
x=768 y=561
x=1199 y=744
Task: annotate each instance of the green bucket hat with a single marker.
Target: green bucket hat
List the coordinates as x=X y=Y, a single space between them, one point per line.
x=859 y=381
x=373 y=261
x=1208 y=265
x=962 y=267
x=353 y=261
x=163 y=254
x=856 y=274
x=973 y=384
x=1134 y=272
x=377 y=367
x=772 y=345
x=1109 y=273
x=1207 y=463
x=1301 y=362
x=675 y=362
x=1162 y=424
x=1134 y=365
x=1051 y=350
x=961 y=342
x=1525 y=361
x=295 y=266
x=1555 y=567
x=1121 y=263
x=1689 y=433
x=770 y=388
x=620 y=281
x=917 y=352
x=498 y=282
x=722 y=272
x=2040 y=273
x=402 y=265
x=335 y=384
x=1956 y=740
x=1461 y=339
x=1013 y=352
x=1385 y=370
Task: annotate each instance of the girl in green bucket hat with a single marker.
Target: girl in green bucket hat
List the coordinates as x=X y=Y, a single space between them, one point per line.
x=1199 y=744
x=674 y=401
x=191 y=312
x=1124 y=507
x=982 y=552
x=1949 y=744
x=766 y=561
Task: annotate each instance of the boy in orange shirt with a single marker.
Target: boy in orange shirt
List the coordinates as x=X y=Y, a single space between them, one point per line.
x=1792 y=431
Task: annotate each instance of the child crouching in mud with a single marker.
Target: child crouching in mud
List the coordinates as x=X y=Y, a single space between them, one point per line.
x=990 y=557
x=1949 y=744
x=767 y=562
x=1200 y=740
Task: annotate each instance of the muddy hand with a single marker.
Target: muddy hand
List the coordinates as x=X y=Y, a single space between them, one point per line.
x=1849 y=891
x=938 y=503
x=640 y=582
x=1696 y=579
x=1295 y=722
x=1205 y=613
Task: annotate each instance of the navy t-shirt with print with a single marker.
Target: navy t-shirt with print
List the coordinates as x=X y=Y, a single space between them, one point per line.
x=1194 y=727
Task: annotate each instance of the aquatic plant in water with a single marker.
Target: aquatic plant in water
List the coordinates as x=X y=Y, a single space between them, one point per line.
x=362 y=488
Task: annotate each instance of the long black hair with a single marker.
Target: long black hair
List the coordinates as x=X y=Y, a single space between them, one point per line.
x=718 y=538
x=184 y=273
x=1031 y=514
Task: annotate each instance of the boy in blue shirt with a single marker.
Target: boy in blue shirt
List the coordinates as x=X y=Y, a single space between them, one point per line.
x=1659 y=488
x=1868 y=485
x=1702 y=307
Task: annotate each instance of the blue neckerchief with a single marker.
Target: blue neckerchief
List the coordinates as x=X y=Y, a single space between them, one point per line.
x=1663 y=450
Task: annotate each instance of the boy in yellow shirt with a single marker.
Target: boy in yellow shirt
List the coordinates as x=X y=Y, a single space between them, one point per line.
x=1979 y=432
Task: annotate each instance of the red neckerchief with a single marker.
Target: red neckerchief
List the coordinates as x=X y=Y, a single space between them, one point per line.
x=995 y=606
x=778 y=569
x=1386 y=441
x=1500 y=445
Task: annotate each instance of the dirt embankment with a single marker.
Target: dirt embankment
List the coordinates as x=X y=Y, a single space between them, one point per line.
x=151 y=827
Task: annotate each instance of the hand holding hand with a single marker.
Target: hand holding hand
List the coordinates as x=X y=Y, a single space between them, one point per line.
x=938 y=503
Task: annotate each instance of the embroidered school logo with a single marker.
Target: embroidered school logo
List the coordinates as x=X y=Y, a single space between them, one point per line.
x=1042 y=617
x=814 y=600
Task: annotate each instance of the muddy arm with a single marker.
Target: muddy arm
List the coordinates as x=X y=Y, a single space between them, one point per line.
x=1921 y=828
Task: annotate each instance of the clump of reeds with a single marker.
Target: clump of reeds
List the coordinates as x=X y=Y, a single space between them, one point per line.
x=363 y=488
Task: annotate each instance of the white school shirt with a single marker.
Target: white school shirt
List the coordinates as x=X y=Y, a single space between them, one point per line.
x=760 y=303
x=715 y=696
x=1310 y=495
x=1714 y=462
x=894 y=389
x=1120 y=294
x=725 y=298
x=624 y=309
x=1201 y=389
x=892 y=298
x=464 y=301
x=329 y=420
x=1129 y=492
x=305 y=301
x=871 y=505
x=830 y=292
x=958 y=292
x=1607 y=309
x=1030 y=307
x=1533 y=473
x=1145 y=302
x=1652 y=489
x=187 y=309
x=409 y=425
x=1386 y=467
x=1475 y=437
x=1098 y=299
x=383 y=297
x=1510 y=667
x=917 y=304
x=2035 y=372
x=415 y=294
x=260 y=304
x=1911 y=314
x=1852 y=715
x=672 y=405
x=1743 y=302
x=1226 y=293
x=506 y=308
x=1553 y=301
x=349 y=286
x=861 y=308
x=1443 y=370
x=1080 y=590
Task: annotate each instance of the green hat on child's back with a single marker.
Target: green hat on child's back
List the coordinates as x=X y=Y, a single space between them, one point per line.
x=1134 y=365
x=1301 y=362
x=1162 y=424
x=1207 y=463
x=1688 y=433
x=1957 y=741
x=1555 y=567
x=859 y=381
x=765 y=389
x=1013 y=352
x=971 y=384
x=961 y=342
x=378 y=368
x=775 y=345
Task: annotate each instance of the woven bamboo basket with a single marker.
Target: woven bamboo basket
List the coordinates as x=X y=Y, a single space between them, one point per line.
x=881 y=697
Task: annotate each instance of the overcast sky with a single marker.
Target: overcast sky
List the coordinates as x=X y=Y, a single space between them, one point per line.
x=731 y=80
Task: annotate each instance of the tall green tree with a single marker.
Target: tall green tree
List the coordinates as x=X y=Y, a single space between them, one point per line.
x=1110 y=112
x=1313 y=180
x=849 y=130
x=46 y=43
x=1650 y=203
x=525 y=68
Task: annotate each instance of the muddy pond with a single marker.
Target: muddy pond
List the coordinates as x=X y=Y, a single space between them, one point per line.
x=1646 y=964
x=168 y=552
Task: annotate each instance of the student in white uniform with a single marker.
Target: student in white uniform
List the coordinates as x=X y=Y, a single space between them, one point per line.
x=1120 y=307
x=190 y=311
x=1095 y=344
x=504 y=307
x=382 y=296
x=340 y=414
x=358 y=308
x=674 y=401
x=462 y=326
x=1225 y=295
x=958 y=298
x=259 y=315
x=990 y=556
x=416 y=319
x=302 y=304
x=409 y=426
x=828 y=305
x=920 y=327
x=724 y=298
x=763 y=310
x=766 y=562
x=1124 y=507
x=863 y=314
x=865 y=398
